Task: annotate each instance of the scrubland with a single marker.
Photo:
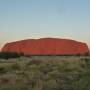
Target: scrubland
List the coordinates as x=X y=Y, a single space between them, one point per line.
x=45 y=73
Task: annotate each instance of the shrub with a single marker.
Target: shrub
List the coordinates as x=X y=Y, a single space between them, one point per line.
x=2 y=70
x=7 y=55
x=34 y=61
x=15 y=66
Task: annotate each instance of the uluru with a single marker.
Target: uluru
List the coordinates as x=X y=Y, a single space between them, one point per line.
x=47 y=46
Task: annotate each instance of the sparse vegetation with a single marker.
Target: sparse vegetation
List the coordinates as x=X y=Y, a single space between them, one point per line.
x=45 y=73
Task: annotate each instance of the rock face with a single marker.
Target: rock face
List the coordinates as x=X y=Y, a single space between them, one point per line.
x=47 y=46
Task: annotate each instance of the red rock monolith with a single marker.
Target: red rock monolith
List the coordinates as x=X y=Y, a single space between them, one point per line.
x=47 y=46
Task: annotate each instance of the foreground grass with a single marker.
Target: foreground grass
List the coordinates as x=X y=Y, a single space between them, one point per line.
x=45 y=73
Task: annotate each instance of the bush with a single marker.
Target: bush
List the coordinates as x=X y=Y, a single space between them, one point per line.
x=34 y=61
x=2 y=70
x=15 y=66
x=7 y=55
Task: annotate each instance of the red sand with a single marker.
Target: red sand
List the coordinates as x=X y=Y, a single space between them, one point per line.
x=46 y=46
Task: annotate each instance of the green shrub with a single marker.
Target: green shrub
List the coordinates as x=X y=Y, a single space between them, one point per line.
x=2 y=70
x=34 y=61
x=7 y=55
x=15 y=66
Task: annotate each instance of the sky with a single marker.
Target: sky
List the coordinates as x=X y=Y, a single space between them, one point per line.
x=25 y=19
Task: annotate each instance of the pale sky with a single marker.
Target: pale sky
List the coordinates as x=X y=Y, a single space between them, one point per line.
x=25 y=19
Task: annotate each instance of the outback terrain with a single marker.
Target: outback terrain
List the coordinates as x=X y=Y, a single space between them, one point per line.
x=45 y=64
x=45 y=73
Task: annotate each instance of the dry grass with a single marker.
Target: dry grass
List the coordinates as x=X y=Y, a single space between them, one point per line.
x=45 y=73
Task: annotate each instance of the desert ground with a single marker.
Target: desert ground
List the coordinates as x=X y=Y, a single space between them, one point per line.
x=45 y=73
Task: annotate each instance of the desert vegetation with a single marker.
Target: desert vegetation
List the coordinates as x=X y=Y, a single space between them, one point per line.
x=45 y=73
x=7 y=55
